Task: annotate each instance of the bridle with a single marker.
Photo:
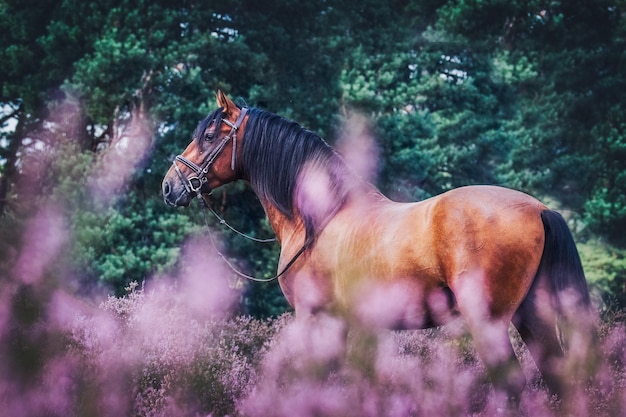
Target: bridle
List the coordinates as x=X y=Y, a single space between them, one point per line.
x=198 y=183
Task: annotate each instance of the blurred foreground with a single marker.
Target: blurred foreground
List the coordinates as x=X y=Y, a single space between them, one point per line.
x=162 y=351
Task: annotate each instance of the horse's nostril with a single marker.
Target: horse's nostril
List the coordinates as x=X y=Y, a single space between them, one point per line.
x=166 y=188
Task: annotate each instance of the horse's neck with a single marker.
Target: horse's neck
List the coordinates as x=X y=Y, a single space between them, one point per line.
x=290 y=232
x=292 y=229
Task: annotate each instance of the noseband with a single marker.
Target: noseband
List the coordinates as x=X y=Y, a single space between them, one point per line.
x=195 y=183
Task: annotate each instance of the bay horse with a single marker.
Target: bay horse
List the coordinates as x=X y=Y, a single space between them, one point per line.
x=489 y=254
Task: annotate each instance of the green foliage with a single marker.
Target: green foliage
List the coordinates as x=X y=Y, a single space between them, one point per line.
x=119 y=247
x=605 y=269
x=605 y=210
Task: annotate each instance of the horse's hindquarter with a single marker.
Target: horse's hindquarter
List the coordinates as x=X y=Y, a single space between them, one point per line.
x=489 y=243
x=395 y=261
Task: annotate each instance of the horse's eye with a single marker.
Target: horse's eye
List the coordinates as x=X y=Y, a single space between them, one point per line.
x=208 y=136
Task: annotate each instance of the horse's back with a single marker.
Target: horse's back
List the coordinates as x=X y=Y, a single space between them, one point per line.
x=488 y=197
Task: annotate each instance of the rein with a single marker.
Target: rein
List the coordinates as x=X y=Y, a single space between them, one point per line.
x=222 y=221
x=293 y=260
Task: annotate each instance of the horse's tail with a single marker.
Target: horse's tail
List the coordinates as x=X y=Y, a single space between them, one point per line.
x=557 y=315
x=563 y=271
x=561 y=266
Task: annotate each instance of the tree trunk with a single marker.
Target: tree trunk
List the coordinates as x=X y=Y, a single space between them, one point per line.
x=10 y=168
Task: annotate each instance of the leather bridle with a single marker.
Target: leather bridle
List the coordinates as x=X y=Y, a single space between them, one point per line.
x=197 y=183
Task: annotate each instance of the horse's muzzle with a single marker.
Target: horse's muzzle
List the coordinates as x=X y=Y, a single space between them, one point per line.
x=175 y=196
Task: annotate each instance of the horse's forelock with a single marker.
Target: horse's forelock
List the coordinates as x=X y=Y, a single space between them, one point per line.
x=204 y=123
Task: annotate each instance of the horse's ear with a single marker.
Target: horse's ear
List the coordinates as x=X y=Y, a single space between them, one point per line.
x=224 y=102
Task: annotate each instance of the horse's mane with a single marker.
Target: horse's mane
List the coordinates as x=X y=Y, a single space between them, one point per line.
x=274 y=154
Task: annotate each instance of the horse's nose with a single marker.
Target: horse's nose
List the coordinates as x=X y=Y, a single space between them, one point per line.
x=167 y=189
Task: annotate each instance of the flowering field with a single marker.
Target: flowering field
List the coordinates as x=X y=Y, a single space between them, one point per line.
x=173 y=349
x=176 y=347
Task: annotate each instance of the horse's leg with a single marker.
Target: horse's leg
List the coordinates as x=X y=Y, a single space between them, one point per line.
x=538 y=329
x=494 y=347
x=322 y=330
x=491 y=337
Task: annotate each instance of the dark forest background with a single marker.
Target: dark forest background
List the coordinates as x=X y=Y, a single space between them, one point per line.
x=528 y=94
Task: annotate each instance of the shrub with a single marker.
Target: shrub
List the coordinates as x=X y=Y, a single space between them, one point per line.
x=152 y=353
x=173 y=363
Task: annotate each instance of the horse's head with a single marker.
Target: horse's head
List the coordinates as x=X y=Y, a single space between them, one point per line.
x=210 y=160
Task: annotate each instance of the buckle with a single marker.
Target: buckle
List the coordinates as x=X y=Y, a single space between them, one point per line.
x=196 y=183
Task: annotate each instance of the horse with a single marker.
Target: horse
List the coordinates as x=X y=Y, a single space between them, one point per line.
x=489 y=254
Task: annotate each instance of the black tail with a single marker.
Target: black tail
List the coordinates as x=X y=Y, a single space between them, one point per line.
x=560 y=261
x=576 y=318
x=557 y=311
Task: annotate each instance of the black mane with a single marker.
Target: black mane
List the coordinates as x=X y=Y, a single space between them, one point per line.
x=275 y=152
